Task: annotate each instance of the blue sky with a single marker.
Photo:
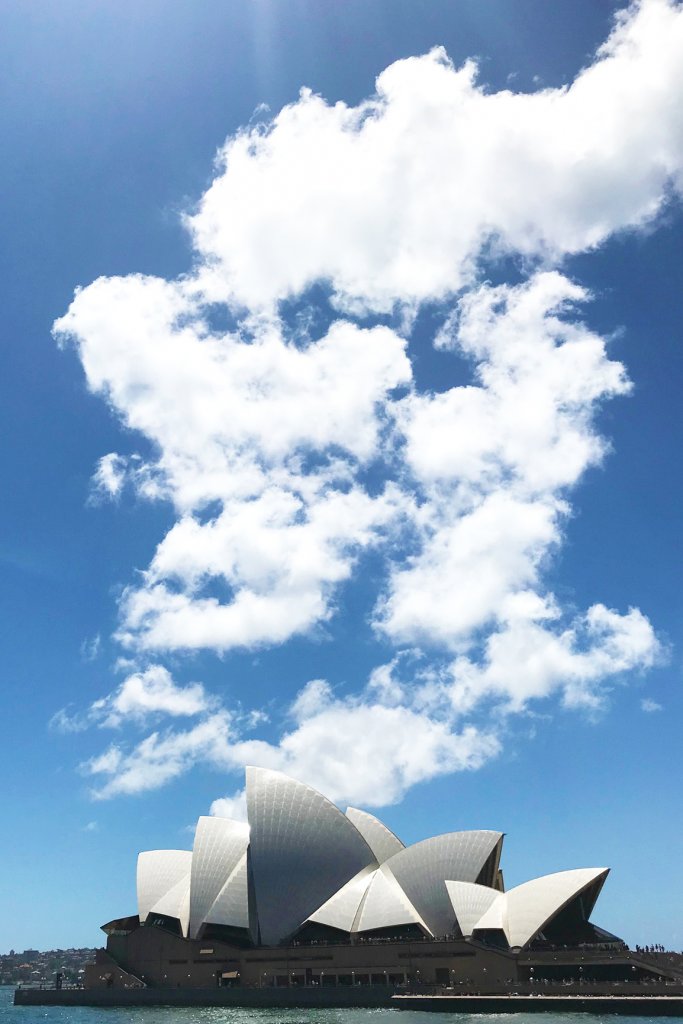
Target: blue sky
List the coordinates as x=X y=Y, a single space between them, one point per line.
x=361 y=458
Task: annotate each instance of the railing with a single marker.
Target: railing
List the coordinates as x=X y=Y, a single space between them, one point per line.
x=48 y=986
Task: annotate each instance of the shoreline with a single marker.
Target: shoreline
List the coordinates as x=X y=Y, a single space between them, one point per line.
x=360 y=997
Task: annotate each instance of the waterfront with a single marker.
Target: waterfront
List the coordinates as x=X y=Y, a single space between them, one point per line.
x=10 y=1014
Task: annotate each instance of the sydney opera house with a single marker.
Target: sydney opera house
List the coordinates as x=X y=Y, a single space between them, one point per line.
x=307 y=895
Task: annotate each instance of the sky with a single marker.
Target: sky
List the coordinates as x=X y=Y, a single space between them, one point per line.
x=341 y=433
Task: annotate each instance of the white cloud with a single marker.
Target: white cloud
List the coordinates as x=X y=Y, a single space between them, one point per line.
x=261 y=438
x=106 y=763
x=66 y=721
x=142 y=695
x=90 y=649
x=352 y=749
x=231 y=411
x=109 y=477
x=233 y=807
x=494 y=461
x=152 y=692
x=650 y=706
x=383 y=684
x=395 y=200
x=526 y=661
x=287 y=451
x=280 y=556
x=359 y=752
x=369 y=748
x=315 y=697
x=466 y=570
x=161 y=757
x=271 y=433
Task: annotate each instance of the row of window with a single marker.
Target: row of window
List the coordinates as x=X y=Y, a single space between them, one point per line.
x=324 y=979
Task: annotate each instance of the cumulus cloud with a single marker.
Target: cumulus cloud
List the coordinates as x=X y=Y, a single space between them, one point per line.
x=494 y=461
x=650 y=706
x=268 y=436
x=161 y=757
x=150 y=692
x=283 y=424
x=280 y=556
x=233 y=807
x=526 y=661
x=354 y=749
x=371 y=747
x=142 y=695
x=395 y=200
x=360 y=752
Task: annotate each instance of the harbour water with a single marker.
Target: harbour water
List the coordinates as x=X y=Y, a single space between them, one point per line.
x=10 y=1014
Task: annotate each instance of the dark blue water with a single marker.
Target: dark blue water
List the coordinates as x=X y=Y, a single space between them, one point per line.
x=10 y=1014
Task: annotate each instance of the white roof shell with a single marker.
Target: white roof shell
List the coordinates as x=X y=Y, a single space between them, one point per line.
x=381 y=840
x=231 y=906
x=530 y=906
x=470 y=902
x=340 y=910
x=176 y=903
x=219 y=845
x=421 y=871
x=159 y=871
x=524 y=911
x=301 y=859
x=385 y=905
x=303 y=849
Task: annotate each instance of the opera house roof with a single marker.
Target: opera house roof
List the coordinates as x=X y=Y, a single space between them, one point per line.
x=301 y=867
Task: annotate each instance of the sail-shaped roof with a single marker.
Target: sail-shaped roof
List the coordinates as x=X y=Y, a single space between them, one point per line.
x=219 y=845
x=303 y=849
x=530 y=906
x=421 y=871
x=159 y=871
x=301 y=860
x=341 y=909
x=381 y=840
x=470 y=902
x=176 y=903
x=386 y=905
x=231 y=906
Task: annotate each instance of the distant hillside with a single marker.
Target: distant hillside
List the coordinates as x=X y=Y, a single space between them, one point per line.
x=33 y=967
